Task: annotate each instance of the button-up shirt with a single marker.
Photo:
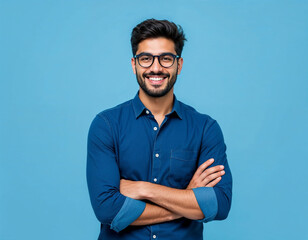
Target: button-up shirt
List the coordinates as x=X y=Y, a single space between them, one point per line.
x=126 y=142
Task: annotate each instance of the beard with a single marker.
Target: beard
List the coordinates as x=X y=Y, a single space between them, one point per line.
x=156 y=93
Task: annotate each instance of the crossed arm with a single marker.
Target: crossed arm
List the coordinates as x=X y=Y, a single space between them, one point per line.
x=170 y=203
x=116 y=202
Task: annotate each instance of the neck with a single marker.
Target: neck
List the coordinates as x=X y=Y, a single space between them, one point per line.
x=159 y=106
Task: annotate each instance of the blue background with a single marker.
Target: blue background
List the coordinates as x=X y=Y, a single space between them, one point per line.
x=62 y=62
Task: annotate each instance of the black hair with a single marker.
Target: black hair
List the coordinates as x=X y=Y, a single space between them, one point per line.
x=152 y=28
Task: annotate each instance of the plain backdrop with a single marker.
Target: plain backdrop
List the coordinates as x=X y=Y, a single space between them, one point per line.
x=62 y=62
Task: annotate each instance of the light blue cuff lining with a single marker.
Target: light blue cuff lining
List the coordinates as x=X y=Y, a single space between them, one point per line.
x=207 y=201
x=128 y=213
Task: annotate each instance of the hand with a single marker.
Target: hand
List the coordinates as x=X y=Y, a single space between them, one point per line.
x=132 y=189
x=206 y=177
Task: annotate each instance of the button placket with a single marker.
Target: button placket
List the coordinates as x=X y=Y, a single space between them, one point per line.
x=156 y=165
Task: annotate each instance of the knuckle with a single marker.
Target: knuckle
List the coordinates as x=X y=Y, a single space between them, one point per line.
x=208 y=171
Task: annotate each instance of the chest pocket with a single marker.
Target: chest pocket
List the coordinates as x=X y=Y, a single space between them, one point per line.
x=183 y=164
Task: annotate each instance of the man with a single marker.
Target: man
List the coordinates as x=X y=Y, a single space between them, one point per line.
x=157 y=169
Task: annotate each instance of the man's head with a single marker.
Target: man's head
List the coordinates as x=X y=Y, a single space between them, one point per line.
x=157 y=75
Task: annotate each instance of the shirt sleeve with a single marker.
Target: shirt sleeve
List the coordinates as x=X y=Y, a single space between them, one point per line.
x=207 y=201
x=214 y=202
x=103 y=178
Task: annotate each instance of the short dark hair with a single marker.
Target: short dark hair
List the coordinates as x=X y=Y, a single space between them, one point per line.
x=152 y=28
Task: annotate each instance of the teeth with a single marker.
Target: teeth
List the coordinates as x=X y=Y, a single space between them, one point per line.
x=155 y=79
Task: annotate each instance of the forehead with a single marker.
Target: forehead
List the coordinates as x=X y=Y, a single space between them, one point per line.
x=156 y=46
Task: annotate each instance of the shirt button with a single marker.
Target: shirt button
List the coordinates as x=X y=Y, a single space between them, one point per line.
x=154 y=236
x=155 y=179
x=156 y=155
x=147 y=111
x=155 y=128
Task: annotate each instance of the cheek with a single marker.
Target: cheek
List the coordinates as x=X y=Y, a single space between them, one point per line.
x=174 y=72
x=139 y=73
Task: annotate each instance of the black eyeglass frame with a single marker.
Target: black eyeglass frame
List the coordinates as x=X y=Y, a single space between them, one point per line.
x=158 y=57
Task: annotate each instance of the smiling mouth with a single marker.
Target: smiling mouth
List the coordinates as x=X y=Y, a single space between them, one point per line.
x=156 y=79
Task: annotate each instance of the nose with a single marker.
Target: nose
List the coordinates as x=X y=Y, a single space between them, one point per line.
x=156 y=67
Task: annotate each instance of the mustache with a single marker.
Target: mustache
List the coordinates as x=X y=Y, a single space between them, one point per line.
x=156 y=74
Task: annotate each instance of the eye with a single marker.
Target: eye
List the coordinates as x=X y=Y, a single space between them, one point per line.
x=145 y=58
x=167 y=58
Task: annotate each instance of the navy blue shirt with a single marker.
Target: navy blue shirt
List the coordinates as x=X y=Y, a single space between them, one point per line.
x=126 y=142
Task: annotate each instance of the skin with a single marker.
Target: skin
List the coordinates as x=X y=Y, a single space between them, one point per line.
x=166 y=203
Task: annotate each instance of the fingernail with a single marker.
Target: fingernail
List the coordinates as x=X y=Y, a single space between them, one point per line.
x=212 y=159
x=222 y=172
x=221 y=167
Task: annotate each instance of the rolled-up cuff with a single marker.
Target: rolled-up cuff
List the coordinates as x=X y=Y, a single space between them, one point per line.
x=207 y=201
x=128 y=213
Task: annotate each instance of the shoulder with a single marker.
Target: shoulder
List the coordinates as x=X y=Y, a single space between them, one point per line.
x=192 y=114
x=119 y=111
x=203 y=122
x=111 y=116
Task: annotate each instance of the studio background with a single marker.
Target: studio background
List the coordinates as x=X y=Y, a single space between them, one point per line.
x=62 y=62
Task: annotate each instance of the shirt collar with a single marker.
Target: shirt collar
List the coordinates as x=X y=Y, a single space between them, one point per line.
x=138 y=105
x=139 y=108
x=176 y=110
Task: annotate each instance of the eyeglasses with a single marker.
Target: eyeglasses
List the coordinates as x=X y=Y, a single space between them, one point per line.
x=146 y=60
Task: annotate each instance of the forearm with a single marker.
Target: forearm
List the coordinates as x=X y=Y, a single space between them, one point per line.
x=153 y=214
x=181 y=202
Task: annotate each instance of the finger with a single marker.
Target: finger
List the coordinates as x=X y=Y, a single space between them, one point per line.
x=212 y=176
x=214 y=182
x=203 y=166
x=210 y=171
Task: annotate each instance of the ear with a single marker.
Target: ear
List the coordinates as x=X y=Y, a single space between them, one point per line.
x=180 y=65
x=133 y=62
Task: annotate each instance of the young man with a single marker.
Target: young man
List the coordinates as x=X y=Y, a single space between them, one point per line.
x=156 y=168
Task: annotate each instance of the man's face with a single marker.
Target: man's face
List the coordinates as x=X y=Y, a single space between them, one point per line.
x=156 y=81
